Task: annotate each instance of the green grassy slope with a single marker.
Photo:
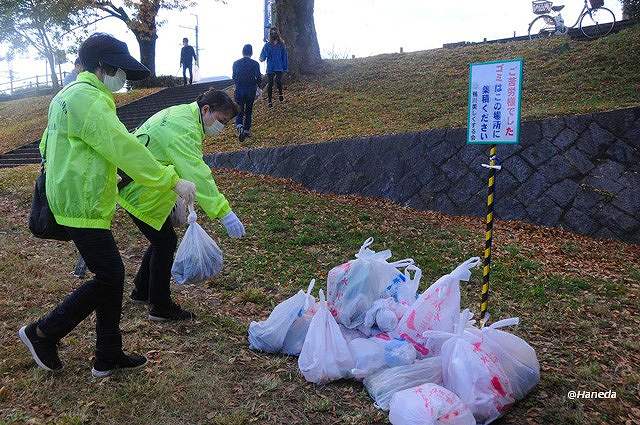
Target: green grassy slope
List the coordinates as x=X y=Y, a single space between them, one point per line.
x=415 y=91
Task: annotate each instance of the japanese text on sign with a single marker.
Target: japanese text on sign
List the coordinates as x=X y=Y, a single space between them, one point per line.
x=495 y=92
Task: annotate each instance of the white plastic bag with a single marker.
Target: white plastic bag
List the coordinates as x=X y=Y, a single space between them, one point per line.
x=428 y=404
x=437 y=308
x=398 y=352
x=198 y=257
x=405 y=290
x=474 y=373
x=375 y=353
x=269 y=335
x=383 y=384
x=179 y=213
x=353 y=287
x=515 y=355
x=293 y=341
x=325 y=355
x=381 y=317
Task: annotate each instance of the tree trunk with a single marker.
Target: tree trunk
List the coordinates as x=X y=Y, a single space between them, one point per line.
x=295 y=22
x=52 y=66
x=147 y=44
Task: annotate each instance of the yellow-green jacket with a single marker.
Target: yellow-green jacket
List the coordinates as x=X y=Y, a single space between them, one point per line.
x=174 y=136
x=85 y=144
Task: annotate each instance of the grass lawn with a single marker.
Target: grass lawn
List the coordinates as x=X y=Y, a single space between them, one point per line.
x=578 y=299
x=22 y=121
x=415 y=91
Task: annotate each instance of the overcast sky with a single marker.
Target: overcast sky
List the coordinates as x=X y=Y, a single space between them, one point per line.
x=345 y=27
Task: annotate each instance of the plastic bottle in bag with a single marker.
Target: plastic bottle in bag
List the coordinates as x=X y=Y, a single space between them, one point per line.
x=383 y=384
x=437 y=308
x=325 y=354
x=353 y=287
x=269 y=335
x=198 y=257
x=428 y=404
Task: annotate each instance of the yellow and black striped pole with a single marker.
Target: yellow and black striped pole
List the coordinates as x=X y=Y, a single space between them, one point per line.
x=488 y=238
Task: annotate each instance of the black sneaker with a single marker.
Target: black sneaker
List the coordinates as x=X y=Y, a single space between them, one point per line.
x=43 y=350
x=126 y=362
x=242 y=136
x=281 y=98
x=137 y=298
x=171 y=313
x=270 y=104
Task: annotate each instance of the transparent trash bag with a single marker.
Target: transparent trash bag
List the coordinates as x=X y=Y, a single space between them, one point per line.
x=179 y=213
x=381 y=351
x=428 y=404
x=293 y=341
x=437 y=308
x=198 y=257
x=269 y=335
x=325 y=355
x=382 y=316
x=474 y=372
x=383 y=384
x=515 y=355
x=405 y=291
x=353 y=287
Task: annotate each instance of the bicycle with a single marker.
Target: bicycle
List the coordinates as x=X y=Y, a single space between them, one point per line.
x=594 y=19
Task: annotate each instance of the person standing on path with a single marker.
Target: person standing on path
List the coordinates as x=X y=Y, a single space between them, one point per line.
x=247 y=79
x=82 y=147
x=275 y=53
x=174 y=136
x=187 y=56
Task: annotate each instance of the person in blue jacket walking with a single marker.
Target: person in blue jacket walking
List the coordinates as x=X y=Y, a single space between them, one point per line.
x=275 y=53
x=247 y=79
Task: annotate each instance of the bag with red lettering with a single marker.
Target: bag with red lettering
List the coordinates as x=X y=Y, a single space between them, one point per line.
x=428 y=404
x=474 y=372
x=437 y=308
x=353 y=287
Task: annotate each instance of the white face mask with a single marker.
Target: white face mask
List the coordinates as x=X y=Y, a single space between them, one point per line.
x=116 y=82
x=214 y=129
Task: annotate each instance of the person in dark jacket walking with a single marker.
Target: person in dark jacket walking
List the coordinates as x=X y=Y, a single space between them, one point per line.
x=275 y=53
x=247 y=79
x=187 y=55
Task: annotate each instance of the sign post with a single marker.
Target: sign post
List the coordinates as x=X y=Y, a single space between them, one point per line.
x=495 y=98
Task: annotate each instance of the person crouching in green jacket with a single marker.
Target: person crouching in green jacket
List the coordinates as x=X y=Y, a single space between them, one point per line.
x=82 y=147
x=174 y=137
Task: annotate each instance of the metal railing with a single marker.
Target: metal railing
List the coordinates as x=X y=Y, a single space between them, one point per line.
x=30 y=86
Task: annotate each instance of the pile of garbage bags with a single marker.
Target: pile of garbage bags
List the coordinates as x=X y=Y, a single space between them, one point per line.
x=418 y=355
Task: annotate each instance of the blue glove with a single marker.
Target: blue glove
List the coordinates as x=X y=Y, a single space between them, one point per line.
x=233 y=225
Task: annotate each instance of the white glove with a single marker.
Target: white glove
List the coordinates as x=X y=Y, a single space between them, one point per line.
x=235 y=229
x=186 y=190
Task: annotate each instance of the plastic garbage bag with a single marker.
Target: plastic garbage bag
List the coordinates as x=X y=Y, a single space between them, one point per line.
x=515 y=355
x=398 y=352
x=350 y=334
x=437 y=308
x=293 y=341
x=383 y=384
x=405 y=291
x=428 y=404
x=179 y=214
x=474 y=373
x=269 y=335
x=381 y=317
x=198 y=257
x=353 y=287
x=368 y=355
x=325 y=355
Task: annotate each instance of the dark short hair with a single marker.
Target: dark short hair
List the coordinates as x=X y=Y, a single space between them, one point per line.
x=185 y=39
x=218 y=101
x=247 y=50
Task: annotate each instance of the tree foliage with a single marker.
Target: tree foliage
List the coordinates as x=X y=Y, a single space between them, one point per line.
x=39 y=24
x=631 y=9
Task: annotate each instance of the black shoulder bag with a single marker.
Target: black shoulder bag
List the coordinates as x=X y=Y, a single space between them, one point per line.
x=42 y=223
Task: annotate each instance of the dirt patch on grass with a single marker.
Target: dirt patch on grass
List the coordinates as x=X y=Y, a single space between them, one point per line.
x=577 y=299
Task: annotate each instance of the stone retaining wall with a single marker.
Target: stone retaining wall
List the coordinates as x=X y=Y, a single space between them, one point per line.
x=580 y=172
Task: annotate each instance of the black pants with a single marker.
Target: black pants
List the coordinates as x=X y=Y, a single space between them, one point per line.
x=184 y=73
x=102 y=294
x=278 y=78
x=154 y=275
x=245 y=102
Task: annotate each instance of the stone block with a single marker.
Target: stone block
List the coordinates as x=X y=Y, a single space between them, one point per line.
x=565 y=138
x=530 y=132
x=509 y=208
x=621 y=152
x=454 y=168
x=579 y=160
x=531 y=190
x=518 y=168
x=539 y=153
x=578 y=221
x=552 y=127
x=563 y=193
x=616 y=122
x=578 y=123
x=465 y=190
x=544 y=211
x=557 y=169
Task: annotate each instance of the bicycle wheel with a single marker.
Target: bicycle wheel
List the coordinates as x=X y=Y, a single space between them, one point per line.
x=542 y=26
x=597 y=22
